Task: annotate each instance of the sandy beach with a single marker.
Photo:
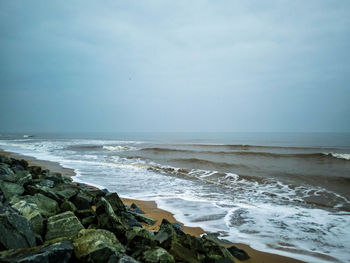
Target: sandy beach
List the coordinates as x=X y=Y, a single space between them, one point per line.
x=151 y=210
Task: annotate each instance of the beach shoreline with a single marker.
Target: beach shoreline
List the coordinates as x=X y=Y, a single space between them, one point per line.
x=151 y=210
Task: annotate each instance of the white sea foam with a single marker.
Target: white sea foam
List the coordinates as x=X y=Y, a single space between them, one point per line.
x=267 y=215
x=118 y=148
x=345 y=156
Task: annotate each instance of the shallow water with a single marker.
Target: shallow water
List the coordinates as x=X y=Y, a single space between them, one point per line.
x=284 y=193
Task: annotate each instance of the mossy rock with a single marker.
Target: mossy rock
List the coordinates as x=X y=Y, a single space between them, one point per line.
x=63 y=225
x=15 y=230
x=139 y=238
x=58 y=252
x=157 y=255
x=10 y=189
x=96 y=245
x=32 y=213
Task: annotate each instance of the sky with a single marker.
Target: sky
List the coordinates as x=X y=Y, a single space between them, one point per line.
x=211 y=66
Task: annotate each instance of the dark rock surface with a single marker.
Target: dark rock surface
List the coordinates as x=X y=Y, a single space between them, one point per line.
x=73 y=223
x=238 y=253
x=58 y=252
x=96 y=245
x=115 y=202
x=63 y=225
x=32 y=213
x=15 y=230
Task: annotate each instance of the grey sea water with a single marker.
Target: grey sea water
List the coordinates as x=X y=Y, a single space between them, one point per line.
x=279 y=192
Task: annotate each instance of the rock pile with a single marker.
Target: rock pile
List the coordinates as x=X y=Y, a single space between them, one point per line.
x=45 y=217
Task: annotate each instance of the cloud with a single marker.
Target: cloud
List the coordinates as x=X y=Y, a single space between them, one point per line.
x=175 y=66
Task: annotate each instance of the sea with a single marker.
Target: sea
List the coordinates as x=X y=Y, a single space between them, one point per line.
x=284 y=193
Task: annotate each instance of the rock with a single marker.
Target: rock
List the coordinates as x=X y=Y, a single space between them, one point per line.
x=115 y=202
x=105 y=190
x=186 y=248
x=47 y=206
x=120 y=258
x=35 y=171
x=87 y=221
x=19 y=164
x=15 y=230
x=66 y=191
x=47 y=183
x=214 y=237
x=6 y=170
x=68 y=206
x=139 y=238
x=136 y=209
x=144 y=219
x=82 y=201
x=166 y=232
x=129 y=219
x=96 y=245
x=63 y=225
x=96 y=193
x=157 y=255
x=184 y=254
x=4 y=159
x=238 y=253
x=25 y=179
x=107 y=219
x=58 y=252
x=56 y=178
x=178 y=228
x=31 y=212
x=216 y=253
x=44 y=190
x=84 y=213
x=10 y=189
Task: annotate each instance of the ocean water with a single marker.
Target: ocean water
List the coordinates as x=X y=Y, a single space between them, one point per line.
x=283 y=193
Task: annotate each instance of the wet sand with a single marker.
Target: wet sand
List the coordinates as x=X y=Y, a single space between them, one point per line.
x=151 y=210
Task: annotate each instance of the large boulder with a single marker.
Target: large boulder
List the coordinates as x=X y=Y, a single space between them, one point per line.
x=157 y=255
x=44 y=190
x=129 y=219
x=10 y=189
x=216 y=253
x=144 y=219
x=238 y=253
x=186 y=248
x=58 y=252
x=140 y=238
x=107 y=219
x=167 y=232
x=25 y=179
x=120 y=258
x=5 y=170
x=47 y=206
x=15 y=230
x=66 y=191
x=136 y=209
x=96 y=245
x=35 y=171
x=115 y=202
x=63 y=225
x=82 y=201
x=32 y=213
x=68 y=206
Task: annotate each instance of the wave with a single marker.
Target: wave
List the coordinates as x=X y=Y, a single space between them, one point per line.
x=344 y=156
x=84 y=147
x=118 y=148
x=207 y=163
x=252 y=146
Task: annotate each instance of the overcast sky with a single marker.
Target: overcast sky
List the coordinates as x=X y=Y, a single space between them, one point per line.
x=174 y=65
